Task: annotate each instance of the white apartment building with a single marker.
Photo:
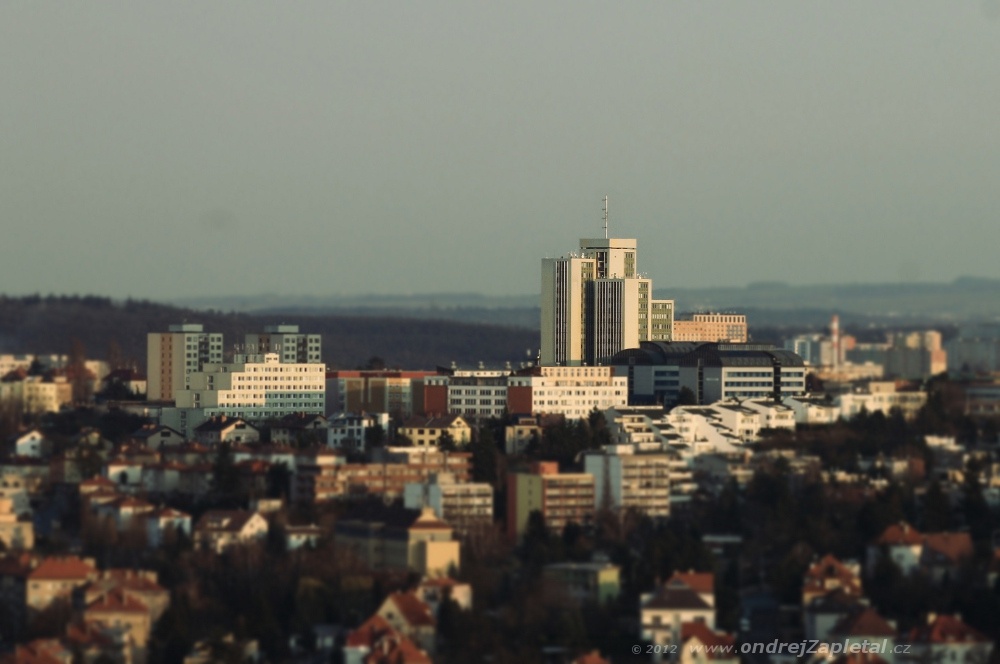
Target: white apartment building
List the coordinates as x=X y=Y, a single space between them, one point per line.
x=475 y=394
x=253 y=387
x=291 y=346
x=171 y=357
x=627 y=478
x=881 y=396
x=595 y=304
x=462 y=505
x=572 y=391
x=37 y=394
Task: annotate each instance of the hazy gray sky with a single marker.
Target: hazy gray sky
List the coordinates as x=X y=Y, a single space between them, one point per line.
x=175 y=149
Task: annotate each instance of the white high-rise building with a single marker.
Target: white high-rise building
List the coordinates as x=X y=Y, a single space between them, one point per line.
x=290 y=345
x=172 y=356
x=595 y=304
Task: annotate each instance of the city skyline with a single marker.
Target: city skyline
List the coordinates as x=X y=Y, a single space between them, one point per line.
x=235 y=149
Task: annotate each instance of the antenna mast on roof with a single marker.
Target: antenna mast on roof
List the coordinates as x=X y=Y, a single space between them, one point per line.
x=605 y=217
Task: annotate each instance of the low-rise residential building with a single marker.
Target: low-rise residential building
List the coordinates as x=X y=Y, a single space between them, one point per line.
x=158 y=436
x=224 y=429
x=217 y=530
x=522 y=432
x=813 y=409
x=375 y=641
x=31 y=444
x=664 y=611
x=350 y=432
x=939 y=555
x=866 y=626
x=410 y=616
x=427 y=431
x=882 y=397
x=297 y=537
x=435 y=591
x=401 y=540
x=297 y=428
x=946 y=638
x=56 y=579
x=829 y=574
x=701 y=645
x=166 y=523
x=15 y=533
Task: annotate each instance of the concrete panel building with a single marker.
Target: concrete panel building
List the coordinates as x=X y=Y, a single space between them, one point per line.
x=172 y=356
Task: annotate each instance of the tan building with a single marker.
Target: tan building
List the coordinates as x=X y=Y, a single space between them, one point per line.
x=171 y=356
x=402 y=540
x=427 y=431
x=14 y=533
x=916 y=355
x=118 y=610
x=399 y=393
x=328 y=477
x=56 y=579
x=722 y=328
x=560 y=498
x=36 y=394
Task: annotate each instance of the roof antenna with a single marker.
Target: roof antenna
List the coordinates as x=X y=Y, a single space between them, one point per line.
x=605 y=217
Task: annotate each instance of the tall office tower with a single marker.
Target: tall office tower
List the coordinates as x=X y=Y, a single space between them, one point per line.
x=285 y=340
x=595 y=304
x=171 y=356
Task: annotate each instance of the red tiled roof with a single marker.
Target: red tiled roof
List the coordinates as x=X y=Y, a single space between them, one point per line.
x=947 y=629
x=69 y=568
x=369 y=632
x=707 y=637
x=413 y=609
x=677 y=597
x=830 y=568
x=116 y=601
x=85 y=635
x=42 y=651
x=866 y=622
x=700 y=582
x=396 y=650
x=900 y=534
x=954 y=547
